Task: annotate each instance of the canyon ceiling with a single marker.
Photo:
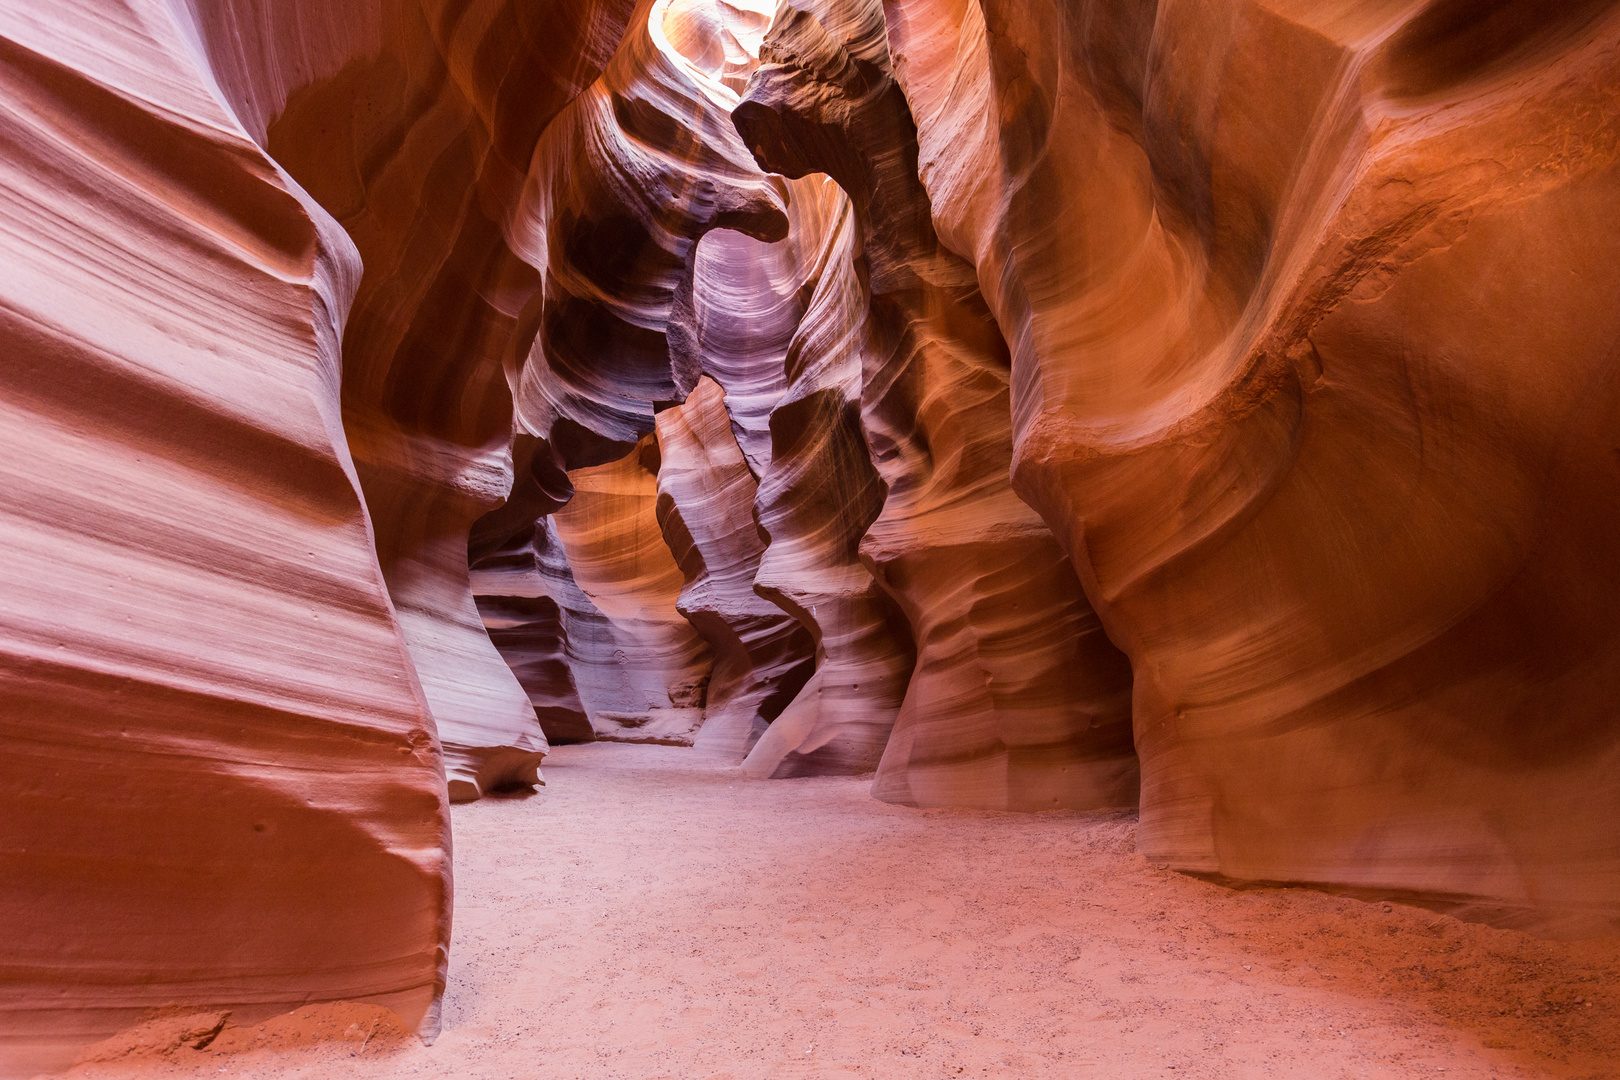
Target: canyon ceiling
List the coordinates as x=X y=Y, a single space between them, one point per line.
x=1205 y=405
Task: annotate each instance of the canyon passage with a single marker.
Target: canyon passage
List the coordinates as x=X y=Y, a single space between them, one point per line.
x=672 y=919
x=822 y=537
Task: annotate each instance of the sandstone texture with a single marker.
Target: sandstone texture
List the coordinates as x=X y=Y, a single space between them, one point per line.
x=1207 y=407
x=1310 y=308
x=640 y=653
x=1017 y=699
x=225 y=780
x=762 y=656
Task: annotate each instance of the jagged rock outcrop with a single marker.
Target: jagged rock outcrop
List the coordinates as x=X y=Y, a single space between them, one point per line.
x=1311 y=315
x=1018 y=700
x=762 y=656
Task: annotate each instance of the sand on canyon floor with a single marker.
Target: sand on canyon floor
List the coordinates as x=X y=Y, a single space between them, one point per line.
x=651 y=915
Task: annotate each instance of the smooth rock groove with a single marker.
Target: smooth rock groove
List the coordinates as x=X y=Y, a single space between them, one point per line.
x=1031 y=403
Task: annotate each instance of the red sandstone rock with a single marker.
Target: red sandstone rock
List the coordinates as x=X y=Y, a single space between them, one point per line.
x=1018 y=700
x=1309 y=312
x=644 y=654
x=521 y=583
x=223 y=782
x=815 y=502
x=1311 y=309
x=762 y=656
x=627 y=181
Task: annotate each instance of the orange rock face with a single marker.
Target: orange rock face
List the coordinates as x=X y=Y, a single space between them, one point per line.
x=1311 y=325
x=1030 y=403
x=642 y=654
x=526 y=594
x=1018 y=700
x=762 y=656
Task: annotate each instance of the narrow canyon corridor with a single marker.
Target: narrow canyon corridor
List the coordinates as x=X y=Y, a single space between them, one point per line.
x=731 y=539
x=651 y=916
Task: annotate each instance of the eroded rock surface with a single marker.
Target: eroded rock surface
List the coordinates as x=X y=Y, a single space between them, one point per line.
x=1310 y=322
x=223 y=782
x=641 y=653
x=1270 y=341
x=1018 y=700
x=762 y=656
x=522 y=586
x=816 y=500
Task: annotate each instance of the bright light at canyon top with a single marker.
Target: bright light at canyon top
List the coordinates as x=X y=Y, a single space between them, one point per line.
x=716 y=43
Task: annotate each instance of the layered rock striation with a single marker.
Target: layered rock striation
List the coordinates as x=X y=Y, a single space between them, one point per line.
x=1018 y=699
x=918 y=388
x=762 y=656
x=1308 y=334
x=238 y=643
x=526 y=595
x=642 y=655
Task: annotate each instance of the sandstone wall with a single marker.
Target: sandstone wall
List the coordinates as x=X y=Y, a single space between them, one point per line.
x=641 y=654
x=224 y=782
x=762 y=656
x=1258 y=353
x=1018 y=700
x=1311 y=324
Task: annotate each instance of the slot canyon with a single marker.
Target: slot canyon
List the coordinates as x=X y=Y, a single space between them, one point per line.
x=430 y=432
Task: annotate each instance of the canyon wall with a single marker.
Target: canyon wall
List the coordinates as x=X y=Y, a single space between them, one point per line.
x=641 y=655
x=1017 y=700
x=1312 y=326
x=525 y=592
x=762 y=656
x=1028 y=402
x=238 y=487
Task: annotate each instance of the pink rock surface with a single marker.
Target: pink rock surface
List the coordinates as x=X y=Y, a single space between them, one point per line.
x=816 y=500
x=762 y=656
x=1270 y=340
x=224 y=782
x=523 y=588
x=642 y=653
x=626 y=182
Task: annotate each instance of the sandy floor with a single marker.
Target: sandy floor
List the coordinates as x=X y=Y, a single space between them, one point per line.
x=649 y=916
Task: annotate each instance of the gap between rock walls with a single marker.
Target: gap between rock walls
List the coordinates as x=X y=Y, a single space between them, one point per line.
x=1199 y=409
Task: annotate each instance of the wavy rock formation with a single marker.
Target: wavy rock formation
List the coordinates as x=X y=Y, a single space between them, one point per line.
x=630 y=182
x=1274 y=338
x=748 y=297
x=642 y=655
x=521 y=584
x=815 y=502
x=627 y=182
x=420 y=149
x=223 y=782
x=1018 y=700
x=762 y=656
x=1310 y=313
